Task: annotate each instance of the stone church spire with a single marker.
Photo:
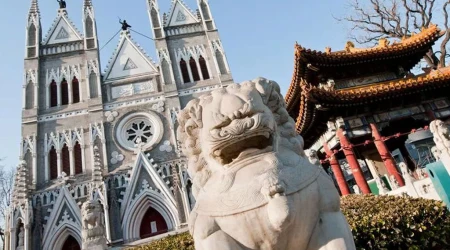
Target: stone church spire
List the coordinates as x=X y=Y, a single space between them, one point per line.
x=21 y=180
x=33 y=31
x=155 y=19
x=90 y=25
x=97 y=171
x=206 y=15
x=87 y=3
x=34 y=7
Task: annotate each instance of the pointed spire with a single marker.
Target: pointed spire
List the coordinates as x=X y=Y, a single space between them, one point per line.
x=97 y=175
x=87 y=3
x=20 y=192
x=34 y=6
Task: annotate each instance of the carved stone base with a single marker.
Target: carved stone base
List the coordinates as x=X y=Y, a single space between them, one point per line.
x=98 y=244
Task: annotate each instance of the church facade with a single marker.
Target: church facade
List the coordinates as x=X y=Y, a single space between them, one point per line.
x=100 y=163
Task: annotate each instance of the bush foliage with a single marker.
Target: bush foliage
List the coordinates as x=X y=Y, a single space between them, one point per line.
x=377 y=222
x=391 y=222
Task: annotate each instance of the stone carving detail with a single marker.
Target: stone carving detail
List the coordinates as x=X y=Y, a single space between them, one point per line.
x=312 y=157
x=382 y=189
x=329 y=86
x=111 y=115
x=20 y=243
x=130 y=65
x=122 y=91
x=421 y=173
x=441 y=136
x=65 y=218
x=143 y=87
x=116 y=157
x=166 y=147
x=133 y=89
x=405 y=173
x=394 y=182
x=247 y=163
x=159 y=106
x=31 y=76
x=436 y=153
x=63 y=34
x=93 y=229
x=181 y=16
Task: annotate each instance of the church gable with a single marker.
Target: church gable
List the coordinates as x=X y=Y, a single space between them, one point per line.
x=145 y=178
x=65 y=212
x=128 y=61
x=180 y=15
x=62 y=31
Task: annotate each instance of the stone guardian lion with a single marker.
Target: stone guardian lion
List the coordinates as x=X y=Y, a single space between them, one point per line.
x=253 y=184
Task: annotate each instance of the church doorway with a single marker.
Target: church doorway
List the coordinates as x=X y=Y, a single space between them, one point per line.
x=152 y=224
x=71 y=244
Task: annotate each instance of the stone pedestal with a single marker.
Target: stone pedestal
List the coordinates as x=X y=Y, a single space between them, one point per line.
x=93 y=229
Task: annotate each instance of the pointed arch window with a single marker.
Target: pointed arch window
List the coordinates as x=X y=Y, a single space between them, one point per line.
x=221 y=63
x=75 y=90
x=32 y=35
x=203 y=68
x=29 y=95
x=155 y=21
x=166 y=71
x=71 y=244
x=153 y=223
x=53 y=163
x=28 y=157
x=205 y=11
x=93 y=85
x=65 y=159
x=184 y=71
x=194 y=69
x=53 y=94
x=89 y=27
x=78 y=158
x=64 y=92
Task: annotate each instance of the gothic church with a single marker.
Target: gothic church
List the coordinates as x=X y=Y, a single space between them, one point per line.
x=100 y=164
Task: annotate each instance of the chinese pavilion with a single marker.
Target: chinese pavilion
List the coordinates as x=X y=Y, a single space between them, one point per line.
x=363 y=110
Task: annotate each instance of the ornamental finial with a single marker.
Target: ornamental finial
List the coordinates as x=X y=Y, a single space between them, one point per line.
x=62 y=4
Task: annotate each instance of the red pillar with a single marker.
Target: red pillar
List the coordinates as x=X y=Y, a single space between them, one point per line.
x=386 y=155
x=353 y=162
x=340 y=179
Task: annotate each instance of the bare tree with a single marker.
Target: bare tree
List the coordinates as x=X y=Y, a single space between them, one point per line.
x=6 y=186
x=372 y=20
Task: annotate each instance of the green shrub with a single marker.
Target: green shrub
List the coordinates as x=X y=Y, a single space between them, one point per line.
x=390 y=222
x=377 y=222
x=175 y=242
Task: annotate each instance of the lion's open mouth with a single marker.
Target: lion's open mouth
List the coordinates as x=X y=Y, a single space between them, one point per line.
x=251 y=145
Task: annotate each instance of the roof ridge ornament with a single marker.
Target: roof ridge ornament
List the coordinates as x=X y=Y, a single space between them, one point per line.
x=62 y=4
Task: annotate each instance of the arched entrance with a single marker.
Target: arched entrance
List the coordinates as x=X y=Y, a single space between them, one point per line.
x=152 y=224
x=71 y=244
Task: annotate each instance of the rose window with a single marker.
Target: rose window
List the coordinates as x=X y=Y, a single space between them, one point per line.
x=139 y=130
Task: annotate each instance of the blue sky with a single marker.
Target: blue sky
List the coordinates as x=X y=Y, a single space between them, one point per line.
x=258 y=36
